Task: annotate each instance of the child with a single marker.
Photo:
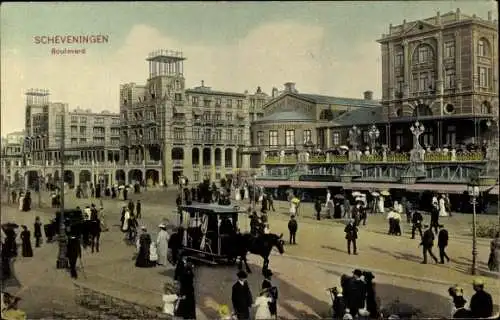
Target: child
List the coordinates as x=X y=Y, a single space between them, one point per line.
x=292 y=228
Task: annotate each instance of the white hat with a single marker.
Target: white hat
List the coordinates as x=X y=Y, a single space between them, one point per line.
x=144 y=228
x=162 y=225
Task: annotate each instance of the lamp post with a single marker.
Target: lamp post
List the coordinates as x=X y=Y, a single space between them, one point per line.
x=254 y=177
x=182 y=183
x=373 y=133
x=417 y=129
x=62 y=260
x=354 y=133
x=473 y=190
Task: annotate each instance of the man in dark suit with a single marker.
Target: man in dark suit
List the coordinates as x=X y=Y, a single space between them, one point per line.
x=242 y=297
x=442 y=244
x=351 y=235
x=427 y=244
x=416 y=224
x=435 y=219
x=74 y=251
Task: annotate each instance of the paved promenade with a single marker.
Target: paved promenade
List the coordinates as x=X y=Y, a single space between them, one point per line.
x=320 y=250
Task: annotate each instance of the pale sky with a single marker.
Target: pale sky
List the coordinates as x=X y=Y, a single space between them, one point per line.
x=325 y=48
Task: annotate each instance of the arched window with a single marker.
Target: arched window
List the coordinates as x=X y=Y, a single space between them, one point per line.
x=483 y=48
x=485 y=107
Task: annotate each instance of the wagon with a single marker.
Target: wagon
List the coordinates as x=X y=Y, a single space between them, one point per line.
x=208 y=232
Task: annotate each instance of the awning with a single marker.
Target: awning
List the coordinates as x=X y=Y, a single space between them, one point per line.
x=444 y=188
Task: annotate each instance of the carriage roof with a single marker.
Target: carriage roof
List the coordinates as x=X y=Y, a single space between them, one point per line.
x=209 y=208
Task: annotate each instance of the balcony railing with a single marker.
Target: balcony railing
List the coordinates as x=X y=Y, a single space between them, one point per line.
x=177 y=163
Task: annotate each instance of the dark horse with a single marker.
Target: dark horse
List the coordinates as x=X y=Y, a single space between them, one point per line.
x=262 y=245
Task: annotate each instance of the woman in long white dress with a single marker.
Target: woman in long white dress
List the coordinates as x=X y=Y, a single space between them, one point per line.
x=261 y=304
x=21 y=201
x=442 y=207
x=380 y=204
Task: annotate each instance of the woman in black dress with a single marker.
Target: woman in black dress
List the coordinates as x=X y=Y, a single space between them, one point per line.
x=186 y=308
x=143 y=260
x=27 y=250
x=38 y=232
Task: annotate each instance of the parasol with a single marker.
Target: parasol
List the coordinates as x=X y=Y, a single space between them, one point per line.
x=375 y=194
x=338 y=197
x=356 y=194
x=121 y=187
x=295 y=200
x=344 y=147
x=385 y=193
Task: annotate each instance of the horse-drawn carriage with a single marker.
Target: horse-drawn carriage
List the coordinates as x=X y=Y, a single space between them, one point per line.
x=207 y=230
x=209 y=233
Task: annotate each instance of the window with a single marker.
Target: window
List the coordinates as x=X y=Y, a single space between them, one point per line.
x=196 y=176
x=218 y=116
x=178 y=97
x=451 y=136
x=424 y=54
x=423 y=82
x=178 y=134
x=229 y=116
x=482 y=48
x=252 y=102
x=99 y=121
x=307 y=136
x=98 y=131
x=336 y=138
x=273 y=138
x=115 y=121
x=83 y=120
x=239 y=104
x=428 y=137
x=194 y=101
x=399 y=85
x=399 y=138
x=74 y=119
x=74 y=140
x=196 y=133
x=483 y=77
x=177 y=85
x=99 y=140
x=83 y=130
x=206 y=116
x=240 y=136
x=399 y=59
x=229 y=134
x=229 y=103
x=115 y=131
x=260 y=138
x=449 y=79
x=207 y=102
x=218 y=134
x=83 y=140
x=217 y=102
x=290 y=138
x=74 y=129
x=449 y=49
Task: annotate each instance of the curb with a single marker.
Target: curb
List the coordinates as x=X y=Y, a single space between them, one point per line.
x=383 y=272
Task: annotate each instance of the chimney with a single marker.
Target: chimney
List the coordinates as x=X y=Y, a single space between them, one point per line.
x=457 y=14
x=202 y=83
x=438 y=18
x=390 y=28
x=490 y=15
x=290 y=87
x=274 y=92
x=368 y=95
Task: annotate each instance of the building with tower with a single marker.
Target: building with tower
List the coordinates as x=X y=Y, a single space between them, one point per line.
x=170 y=131
x=91 y=141
x=11 y=155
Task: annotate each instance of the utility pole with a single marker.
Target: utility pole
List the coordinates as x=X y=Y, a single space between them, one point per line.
x=62 y=260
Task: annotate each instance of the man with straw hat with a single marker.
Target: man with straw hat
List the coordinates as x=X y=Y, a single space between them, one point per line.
x=481 y=303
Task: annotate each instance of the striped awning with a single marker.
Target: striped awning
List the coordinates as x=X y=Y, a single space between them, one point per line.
x=444 y=188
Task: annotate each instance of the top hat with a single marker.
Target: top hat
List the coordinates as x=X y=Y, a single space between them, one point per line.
x=357 y=272
x=242 y=274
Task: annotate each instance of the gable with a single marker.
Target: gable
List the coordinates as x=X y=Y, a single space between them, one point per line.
x=289 y=103
x=418 y=27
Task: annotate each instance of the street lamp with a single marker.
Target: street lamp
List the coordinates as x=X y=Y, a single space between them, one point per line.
x=417 y=129
x=354 y=133
x=254 y=177
x=62 y=260
x=182 y=183
x=473 y=190
x=373 y=133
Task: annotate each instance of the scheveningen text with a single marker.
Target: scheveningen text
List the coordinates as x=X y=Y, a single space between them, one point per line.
x=69 y=39
x=66 y=51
